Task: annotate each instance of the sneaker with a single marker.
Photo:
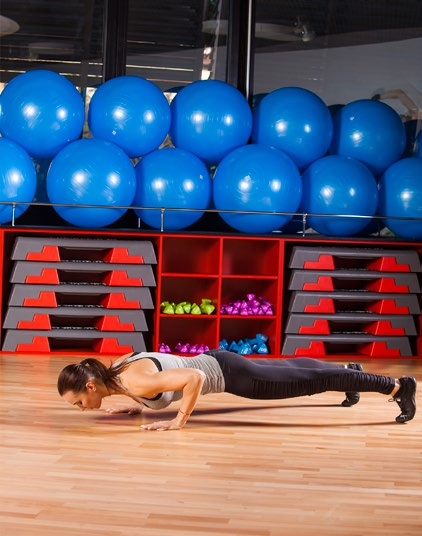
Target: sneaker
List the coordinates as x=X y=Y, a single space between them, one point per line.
x=405 y=398
x=352 y=398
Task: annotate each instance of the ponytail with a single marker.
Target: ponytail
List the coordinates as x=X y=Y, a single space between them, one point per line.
x=74 y=377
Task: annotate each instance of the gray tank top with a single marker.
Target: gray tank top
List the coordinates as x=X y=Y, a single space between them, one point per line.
x=214 y=382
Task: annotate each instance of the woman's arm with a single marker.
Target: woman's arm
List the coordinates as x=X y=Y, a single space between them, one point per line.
x=190 y=381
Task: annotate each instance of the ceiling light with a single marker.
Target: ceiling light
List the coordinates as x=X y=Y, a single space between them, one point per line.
x=8 y=26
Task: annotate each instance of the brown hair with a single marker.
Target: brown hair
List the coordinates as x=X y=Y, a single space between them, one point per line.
x=74 y=377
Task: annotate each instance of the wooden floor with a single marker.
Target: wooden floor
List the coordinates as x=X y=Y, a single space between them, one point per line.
x=305 y=466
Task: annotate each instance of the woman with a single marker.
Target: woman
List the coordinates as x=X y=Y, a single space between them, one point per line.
x=155 y=380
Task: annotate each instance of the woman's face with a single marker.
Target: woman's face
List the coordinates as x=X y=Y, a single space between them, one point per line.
x=88 y=399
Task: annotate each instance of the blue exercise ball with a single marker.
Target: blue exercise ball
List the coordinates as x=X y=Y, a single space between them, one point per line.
x=18 y=179
x=370 y=131
x=131 y=112
x=91 y=172
x=210 y=118
x=42 y=111
x=400 y=193
x=171 y=178
x=257 y=178
x=296 y=121
x=339 y=185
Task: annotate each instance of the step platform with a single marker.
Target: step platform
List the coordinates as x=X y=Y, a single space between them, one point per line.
x=370 y=323
x=320 y=280
x=345 y=344
x=382 y=260
x=77 y=316
x=27 y=295
x=338 y=301
x=54 y=273
x=39 y=341
x=48 y=249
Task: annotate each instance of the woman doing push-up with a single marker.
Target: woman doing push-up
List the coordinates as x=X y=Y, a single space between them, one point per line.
x=154 y=380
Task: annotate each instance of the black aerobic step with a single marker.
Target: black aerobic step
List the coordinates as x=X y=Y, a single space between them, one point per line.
x=77 y=316
x=86 y=272
x=370 y=323
x=383 y=260
x=339 y=344
x=354 y=280
x=64 y=249
x=333 y=302
x=17 y=340
x=26 y=295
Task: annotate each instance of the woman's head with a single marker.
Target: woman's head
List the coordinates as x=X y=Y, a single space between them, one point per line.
x=86 y=383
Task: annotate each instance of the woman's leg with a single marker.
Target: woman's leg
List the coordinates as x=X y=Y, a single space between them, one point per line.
x=303 y=362
x=352 y=397
x=291 y=378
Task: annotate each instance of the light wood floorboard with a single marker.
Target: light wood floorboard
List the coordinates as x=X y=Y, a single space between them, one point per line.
x=305 y=466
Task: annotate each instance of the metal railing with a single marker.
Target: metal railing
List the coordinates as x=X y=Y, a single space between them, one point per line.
x=304 y=216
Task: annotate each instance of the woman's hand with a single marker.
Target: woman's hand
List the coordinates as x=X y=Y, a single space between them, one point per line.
x=130 y=411
x=162 y=425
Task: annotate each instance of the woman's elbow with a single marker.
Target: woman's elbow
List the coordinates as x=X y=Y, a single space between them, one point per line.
x=198 y=377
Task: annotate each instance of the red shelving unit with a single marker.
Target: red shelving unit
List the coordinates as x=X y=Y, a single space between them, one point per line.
x=352 y=299
x=225 y=269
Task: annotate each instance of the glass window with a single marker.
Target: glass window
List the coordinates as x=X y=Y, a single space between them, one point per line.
x=66 y=37
x=342 y=50
x=174 y=43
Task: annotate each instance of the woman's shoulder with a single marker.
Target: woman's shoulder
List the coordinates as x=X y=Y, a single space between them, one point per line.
x=121 y=359
x=143 y=362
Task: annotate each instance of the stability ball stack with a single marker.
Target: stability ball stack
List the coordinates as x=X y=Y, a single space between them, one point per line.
x=291 y=128
x=209 y=119
x=128 y=117
x=342 y=168
x=40 y=113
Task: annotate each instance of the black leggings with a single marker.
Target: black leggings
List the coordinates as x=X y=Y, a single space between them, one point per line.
x=266 y=379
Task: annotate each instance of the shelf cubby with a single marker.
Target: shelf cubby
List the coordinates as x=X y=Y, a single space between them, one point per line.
x=190 y=289
x=251 y=256
x=236 y=288
x=190 y=255
x=192 y=329
x=237 y=328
